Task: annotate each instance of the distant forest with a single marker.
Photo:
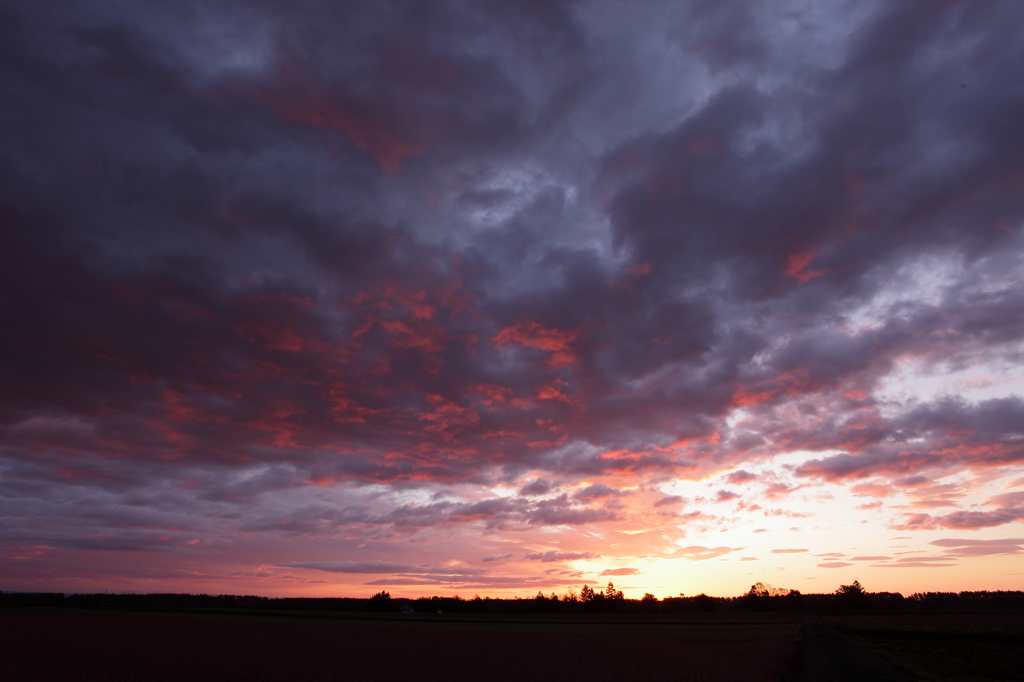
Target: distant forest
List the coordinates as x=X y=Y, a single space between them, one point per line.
x=761 y=597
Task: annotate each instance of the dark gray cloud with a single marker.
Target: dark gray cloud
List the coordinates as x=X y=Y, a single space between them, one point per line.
x=250 y=254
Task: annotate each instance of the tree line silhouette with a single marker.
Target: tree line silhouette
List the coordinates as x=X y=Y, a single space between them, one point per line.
x=760 y=597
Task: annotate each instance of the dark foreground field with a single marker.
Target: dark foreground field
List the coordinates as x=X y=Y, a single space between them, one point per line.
x=954 y=647
x=73 y=646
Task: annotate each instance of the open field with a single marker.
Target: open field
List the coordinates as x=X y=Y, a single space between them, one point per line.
x=949 y=647
x=124 y=645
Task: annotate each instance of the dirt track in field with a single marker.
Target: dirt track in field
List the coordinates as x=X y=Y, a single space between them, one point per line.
x=830 y=656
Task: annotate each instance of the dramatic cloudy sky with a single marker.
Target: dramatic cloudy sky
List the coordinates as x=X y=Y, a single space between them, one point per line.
x=495 y=297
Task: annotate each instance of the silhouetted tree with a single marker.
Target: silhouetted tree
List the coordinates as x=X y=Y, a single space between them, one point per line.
x=648 y=602
x=852 y=596
x=611 y=593
x=764 y=597
x=587 y=594
x=766 y=590
x=542 y=604
x=380 y=602
x=759 y=590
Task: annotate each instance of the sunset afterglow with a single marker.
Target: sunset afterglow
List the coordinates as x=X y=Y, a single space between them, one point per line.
x=441 y=298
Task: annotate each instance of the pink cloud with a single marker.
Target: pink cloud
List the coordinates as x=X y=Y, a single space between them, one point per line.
x=620 y=571
x=932 y=504
x=963 y=520
x=699 y=553
x=960 y=547
x=540 y=486
x=910 y=563
x=872 y=489
x=725 y=496
x=740 y=476
x=777 y=489
x=597 y=491
x=788 y=513
x=553 y=555
x=912 y=481
x=1007 y=500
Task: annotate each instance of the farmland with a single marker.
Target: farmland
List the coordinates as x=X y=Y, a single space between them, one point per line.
x=75 y=645
x=953 y=647
x=966 y=637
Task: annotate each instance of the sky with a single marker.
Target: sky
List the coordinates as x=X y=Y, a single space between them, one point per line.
x=328 y=298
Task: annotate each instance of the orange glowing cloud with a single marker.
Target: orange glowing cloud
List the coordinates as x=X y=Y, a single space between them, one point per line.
x=535 y=335
x=796 y=266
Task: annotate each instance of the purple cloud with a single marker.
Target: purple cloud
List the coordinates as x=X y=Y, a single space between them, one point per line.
x=553 y=555
x=540 y=486
x=960 y=547
x=596 y=491
x=740 y=476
